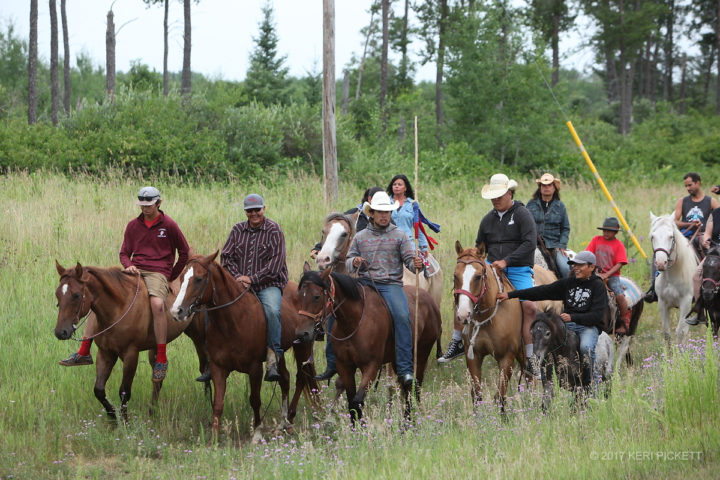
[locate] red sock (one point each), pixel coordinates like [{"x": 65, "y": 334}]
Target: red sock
[
  {"x": 85, "y": 347},
  {"x": 161, "y": 356}
]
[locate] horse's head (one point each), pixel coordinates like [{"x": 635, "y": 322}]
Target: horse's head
[
  {"x": 545, "y": 332},
  {"x": 662, "y": 237},
  {"x": 195, "y": 288},
  {"x": 73, "y": 299},
  {"x": 339, "y": 229},
  {"x": 314, "y": 291},
  {"x": 470, "y": 280},
  {"x": 710, "y": 277}
]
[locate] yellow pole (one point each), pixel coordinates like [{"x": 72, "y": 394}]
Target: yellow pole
[{"x": 604, "y": 188}]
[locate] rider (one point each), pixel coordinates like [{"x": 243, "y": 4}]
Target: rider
[
  {"x": 611, "y": 256},
  {"x": 149, "y": 247},
  {"x": 584, "y": 300},
  {"x": 254, "y": 254},
  {"x": 509, "y": 234},
  {"x": 691, "y": 213},
  {"x": 711, "y": 238},
  {"x": 377, "y": 254},
  {"x": 551, "y": 219}
]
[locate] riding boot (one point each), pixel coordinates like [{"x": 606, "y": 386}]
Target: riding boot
[
  {"x": 624, "y": 314},
  {"x": 650, "y": 296},
  {"x": 271, "y": 370},
  {"x": 696, "y": 315}
]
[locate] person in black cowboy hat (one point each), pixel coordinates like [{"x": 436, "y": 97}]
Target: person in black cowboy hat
[{"x": 611, "y": 256}]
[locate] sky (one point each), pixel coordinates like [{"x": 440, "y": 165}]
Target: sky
[{"x": 222, "y": 34}]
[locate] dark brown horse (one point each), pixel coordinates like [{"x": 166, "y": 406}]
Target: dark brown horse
[
  {"x": 491, "y": 328},
  {"x": 710, "y": 287},
  {"x": 362, "y": 335},
  {"x": 236, "y": 336},
  {"x": 121, "y": 307}
]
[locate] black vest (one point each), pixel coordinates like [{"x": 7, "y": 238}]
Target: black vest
[{"x": 695, "y": 211}]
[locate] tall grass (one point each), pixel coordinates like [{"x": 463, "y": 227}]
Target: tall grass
[{"x": 660, "y": 419}]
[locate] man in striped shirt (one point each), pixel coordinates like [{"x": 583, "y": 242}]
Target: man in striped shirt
[{"x": 254, "y": 254}]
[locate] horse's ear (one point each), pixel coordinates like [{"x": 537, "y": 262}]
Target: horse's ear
[
  {"x": 213, "y": 256},
  {"x": 458, "y": 247},
  {"x": 326, "y": 273},
  {"x": 306, "y": 267},
  {"x": 480, "y": 250},
  {"x": 60, "y": 269},
  {"x": 652, "y": 217},
  {"x": 79, "y": 270}
]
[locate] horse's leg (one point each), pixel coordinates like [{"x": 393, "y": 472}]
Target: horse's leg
[
  {"x": 475, "y": 368},
  {"x": 664, "y": 309},
  {"x": 256, "y": 376},
  {"x": 130, "y": 362},
  {"x": 219, "y": 380},
  {"x": 683, "y": 328},
  {"x": 347, "y": 378},
  {"x": 623, "y": 350},
  {"x": 196, "y": 332},
  {"x": 304, "y": 379},
  {"x": 506, "y": 366},
  {"x": 286, "y": 423},
  {"x": 104, "y": 365}
]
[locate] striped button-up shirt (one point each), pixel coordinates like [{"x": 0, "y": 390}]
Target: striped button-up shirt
[{"x": 258, "y": 253}]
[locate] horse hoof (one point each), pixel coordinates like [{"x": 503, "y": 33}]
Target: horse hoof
[{"x": 257, "y": 437}]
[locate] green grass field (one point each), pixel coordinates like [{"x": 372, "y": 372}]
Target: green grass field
[{"x": 661, "y": 420}]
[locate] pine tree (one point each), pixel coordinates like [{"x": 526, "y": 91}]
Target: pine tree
[{"x": 266, "y": 81}]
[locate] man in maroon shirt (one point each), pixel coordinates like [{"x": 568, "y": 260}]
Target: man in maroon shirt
[
  {"x": 254, "y": 254},
  {"x": 149, "y": 247}
]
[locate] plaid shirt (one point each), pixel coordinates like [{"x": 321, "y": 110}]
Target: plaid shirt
[{"x": 258, "y": 253}]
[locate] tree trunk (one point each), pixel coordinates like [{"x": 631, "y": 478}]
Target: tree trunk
[
  {"x": 626, "y": 93},
  {"x": 345, "y": 91},
  {"x": 654, "y": 72},
  {"x": 707, "y": 73},
  {"x": 185, "y": 88},
  {"x": 66, "y": 59},
  {"x": 32, "y": 64},
  {"x": 681, "y": 103},
  {"x": 555, "y": 49},
  {"x": 611, "y": 76},
  {"x": 165, "y": 49},
  {"x": 364, "y": 55},
  {"x": 439, "y": 112},
  {"x": 383, "y": 61},
  {"x": 110, "y": 57},
  {"x": 668, "y": 48},
  {"x": 403, "y": 47},
  {"x": 54, "y": 80},
  {"x": 717, "y": 62},
  {"x": 330, "y": 167}
]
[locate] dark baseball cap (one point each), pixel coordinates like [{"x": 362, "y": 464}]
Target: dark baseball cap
[{"x": 253, "y": 201}]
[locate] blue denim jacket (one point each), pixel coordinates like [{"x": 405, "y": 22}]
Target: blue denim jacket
[
  {"x": 553, "y": 226},
  {"x": 403, "y": 218}
]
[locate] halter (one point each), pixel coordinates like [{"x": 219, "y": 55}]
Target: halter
[
  {"x": 671, "y": 253},
  {"x": 716, "y": 284},
  {"x": 329, "y": 304},
  {"x": 193, "y": 306}
]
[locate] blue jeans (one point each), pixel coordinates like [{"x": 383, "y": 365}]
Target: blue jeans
[
  {"x": 588, "y": 340},
  {"x": 271, "y": 299},
  {"x": 396, "y": 300},
  {"x": 561, "y": 262}
]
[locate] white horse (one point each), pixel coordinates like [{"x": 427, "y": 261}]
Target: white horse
[{"x": 675, "y": 259}]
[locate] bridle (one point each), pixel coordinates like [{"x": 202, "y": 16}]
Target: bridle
[
  {"x": 671, "y": 252},
  {"x": 329, "y": 308},
  {"x": 475, "y": 299},
  {"x": 716, "y": 285},
  {"x": 193, "y": 308}
]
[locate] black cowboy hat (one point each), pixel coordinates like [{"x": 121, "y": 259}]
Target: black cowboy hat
[{"x": 610, "y": 223}]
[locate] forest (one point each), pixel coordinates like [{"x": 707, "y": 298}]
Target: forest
[{"x": 650, "y": 108}]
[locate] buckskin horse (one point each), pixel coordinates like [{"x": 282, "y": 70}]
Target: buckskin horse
[
  {"x": 236, "y": 336},
  {"x": 362, "y": 335},
  {"x": 338, "y": 232},
  {"x": 120, "y": 303}
]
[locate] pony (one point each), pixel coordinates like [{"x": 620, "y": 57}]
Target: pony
[
  {"x": 236, "y": 336},
  {"x": 362, "y": 335},
  {"x": 120, "y": 305},
  {"x": 338, "y": 232},
  {"x": 710, "y": 287},
  {"x": 635, "y": 304},
  {"x": 676, "y": 261}
]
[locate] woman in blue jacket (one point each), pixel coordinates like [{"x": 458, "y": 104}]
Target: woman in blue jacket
[{"x": 551, "y": 219}]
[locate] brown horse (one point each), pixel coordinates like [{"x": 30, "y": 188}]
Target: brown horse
[
  {"x": 362, "y": 333},
  {"x": 121, "y": 308},
  {"x": 338, "y": 232},
  {"x": 236, "y": 336},
  {"x": 491, "y": 327}
]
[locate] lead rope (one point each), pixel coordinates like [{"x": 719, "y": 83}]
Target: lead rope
[{"x": 477, "y": 325}]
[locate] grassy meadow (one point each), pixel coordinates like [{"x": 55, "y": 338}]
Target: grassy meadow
[{"x": 661, "y": 419}]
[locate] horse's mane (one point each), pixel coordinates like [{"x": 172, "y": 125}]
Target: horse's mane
[
  {"x": 112, "y": 277},
  {"x": 549, "y": 317},
  {"x": 685, "y": 252},
  {"x": 347, "y": 284}
]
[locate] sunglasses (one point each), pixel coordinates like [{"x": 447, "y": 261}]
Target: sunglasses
[
  {"x": 146, "y": 199},
  {"x": 253, "y": 210}
]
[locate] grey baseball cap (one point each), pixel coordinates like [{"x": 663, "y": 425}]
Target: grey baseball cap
[
  {"x": 253, "y": 201},
  {"x": 148, "y": 196},
  {"x": 583, "y": 257}
]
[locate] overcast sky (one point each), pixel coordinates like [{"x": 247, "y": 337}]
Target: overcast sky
[{"x": 222, "y": 33}]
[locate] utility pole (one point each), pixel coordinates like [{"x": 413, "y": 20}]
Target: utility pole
[{"x": 330, "y": 168}]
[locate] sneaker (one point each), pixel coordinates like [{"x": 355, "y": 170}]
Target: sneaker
[
  {"x": 271, "y": 373},
  {"x": 455, "y": 349},
  {"x": 532, "y": 367},
  {"x": 76, "y": 359},
  {"x": 159, "y": 372},
  {"x": 694, "y": 319}
]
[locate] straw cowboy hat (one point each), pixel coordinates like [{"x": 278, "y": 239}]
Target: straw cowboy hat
[
  {"x": 547, "y": 179},
  {"x": 498, "y": 186},
  {"x": 381, "y": 202}
]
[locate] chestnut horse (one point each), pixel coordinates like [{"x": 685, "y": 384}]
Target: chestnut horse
[
  {"x": 338, "y": 232},
  {"x": 236, "y": 336},
  {"x": 362, "y": 335},
  {"x": 121, "y": 306}
]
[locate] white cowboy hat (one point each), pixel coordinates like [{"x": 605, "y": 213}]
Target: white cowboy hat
[
  {"x": 498, "y": 186},
  {"x": 381, "y": 202}
]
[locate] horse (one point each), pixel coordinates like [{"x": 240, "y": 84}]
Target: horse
[
  {"x": 120, "y": 304},
  {"x": 635, "y": 304},
  {"x": 362, "y": 335},
  {"x": 338, "y": 232},
  {"x": 236, "y": 336},
  {"x": 676, "y": 261},
  {"x": 710, "y": 287}
]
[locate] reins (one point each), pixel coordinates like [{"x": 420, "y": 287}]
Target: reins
[
  {"x": 329, "y": 303},
  {"x": 137, "y": 289},
  {"x": 193, "y": 306}
]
